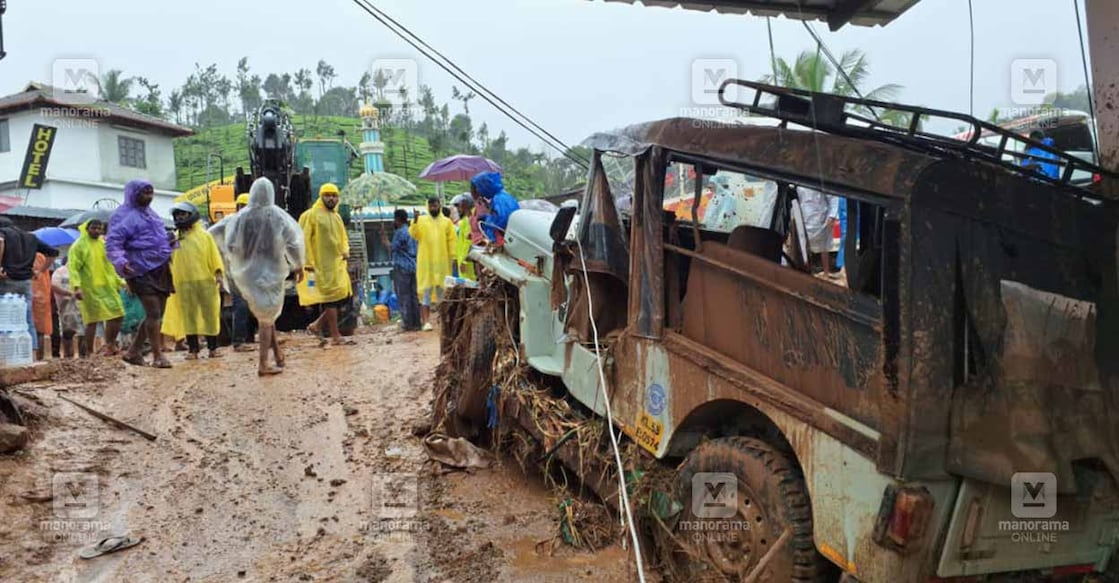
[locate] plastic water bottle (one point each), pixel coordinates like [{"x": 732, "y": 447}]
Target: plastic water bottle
[
  {"x": 23, "y": 353},
  {"x": 310, "y": 279},
  {"x": 6, "y": 309},
  {"x": 17, "y": 313},
  {"x": 7, "y": 348}
]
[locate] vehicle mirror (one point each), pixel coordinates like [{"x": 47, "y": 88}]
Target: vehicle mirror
[{"x": 562, "y": 223}]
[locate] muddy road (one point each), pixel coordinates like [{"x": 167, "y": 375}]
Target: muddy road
[{"x": 310, "y": 476}]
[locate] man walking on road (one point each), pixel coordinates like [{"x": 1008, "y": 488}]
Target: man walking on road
[
  {"x": 195, "y": 308},
  {"x": 96, "y": 286},
  {"x": 435, "y": 242},
  {"x": 328, "y": 249},
  {"x": 138, "y": 248},
  {"x": 403, "y": 253},
  {"x": 264, "y": 246}
]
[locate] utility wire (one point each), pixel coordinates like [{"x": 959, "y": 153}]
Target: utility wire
[
  {"x": 772, "y": 54},
  {"x": 1087, "y": 82},
  {"x": 827, "y": 53},
  {"x": 971, "y": 78},
  {"x": 484, "y": 92}
]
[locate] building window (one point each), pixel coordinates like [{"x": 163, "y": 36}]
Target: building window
[
  {"x": 5, "y": 140},
  {"x": 131, "y": 152}
]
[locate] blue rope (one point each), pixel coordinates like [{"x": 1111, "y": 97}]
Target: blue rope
[{"x": 491, "y": 407}]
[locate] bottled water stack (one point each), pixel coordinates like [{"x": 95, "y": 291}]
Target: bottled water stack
[{"x": 15, "y": 338}]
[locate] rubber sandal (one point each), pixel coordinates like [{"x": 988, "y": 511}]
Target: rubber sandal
[
  {"x": 161, "y": 363},
  {"x": 134, "y": 360},
  {"x": 108, "y": 545},
  {"x": 268, "y": 372},
  {"x": 216, "y": 354},
  {"x": 191, "y": 356},
  {"x": 243, "y": 348},
  {"x": 346, "y": 342}
]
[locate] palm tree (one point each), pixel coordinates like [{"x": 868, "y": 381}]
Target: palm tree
[
  {"x": 115, "y": 87},
  {"x": 812, "y": 72}
]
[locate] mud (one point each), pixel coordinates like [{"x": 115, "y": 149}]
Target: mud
[{"x": 310, "y": 476}]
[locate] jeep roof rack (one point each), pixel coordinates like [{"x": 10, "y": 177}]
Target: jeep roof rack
[{"x": 829, "y": 113}]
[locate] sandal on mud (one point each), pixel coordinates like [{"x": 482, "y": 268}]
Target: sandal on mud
[
  {"x": 134, "y": 360},
  {"x": 108, "y": 545},
  {"x": 346, "y": 342},
  {"x": 270, "y": 371},
  {"x": 191, "y": 356},
  {"x": 243, "y": 348},
  {"x": 216, "y": 354},
  {"x": 161, "y": 363}
]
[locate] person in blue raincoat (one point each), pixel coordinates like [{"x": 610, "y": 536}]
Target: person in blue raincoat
[
  {"x": 1036, "y": 157},
  {"x": 501, "y": 204}
]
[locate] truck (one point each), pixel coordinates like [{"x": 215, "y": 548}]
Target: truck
[{"x": 946, "y": 412}]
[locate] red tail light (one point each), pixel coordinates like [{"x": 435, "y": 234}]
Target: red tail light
[
  {"x": 903, "y": 517},
  {"x": 1096, "y": 178}
]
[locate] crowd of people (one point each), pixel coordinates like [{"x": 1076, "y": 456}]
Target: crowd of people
[
  {"x": 432, "y": 247},
  {"x": 129, "y": 286}
]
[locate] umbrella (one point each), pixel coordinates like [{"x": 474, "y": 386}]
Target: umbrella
[
  {"x": 7, "y": 202},
  {"x": 76, "y": 220},
  {"x": 56, "y": 236},
  {"x": 458, "y": 167},
  {"x": 377, "y": 189}
]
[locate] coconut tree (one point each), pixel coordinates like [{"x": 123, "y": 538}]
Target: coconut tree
[
  {"x": 115, "y": 87},
  {"x": 811, "y": 71}
]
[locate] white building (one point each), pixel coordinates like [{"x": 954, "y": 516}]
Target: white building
[{"x": 98, "y": 147}]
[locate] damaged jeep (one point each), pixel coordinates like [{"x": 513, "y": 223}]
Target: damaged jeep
[{"x": 948, "y": 408}]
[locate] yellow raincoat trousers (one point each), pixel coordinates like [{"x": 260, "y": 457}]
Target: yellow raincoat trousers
[
  {"x": 435, "y": 243},
  {"x": 195, "y": 307},
  {"x": 91, "y": 272},
  {"x": 462, "y": 248},
  {"x": 327, "y": 245}
]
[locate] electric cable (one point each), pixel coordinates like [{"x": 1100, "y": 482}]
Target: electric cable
[
  {"x": 1087, "y": 81},
  {"x": 484, "y": 92}
]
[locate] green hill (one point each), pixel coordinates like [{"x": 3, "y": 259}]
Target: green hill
[{"x": 405, "y": 154}]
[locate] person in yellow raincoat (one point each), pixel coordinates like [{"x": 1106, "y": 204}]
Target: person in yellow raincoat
[
  {"x": 327, "y": 284},
  {"x": 465, "y": 205},
  {"x": 435, "y": 240},
  {"x": 96, "y": 285},
  {"x": 195, "y": 308}
]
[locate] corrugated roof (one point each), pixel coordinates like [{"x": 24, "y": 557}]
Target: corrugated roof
[
  {"x": 40, "y": 212},
  {"x": 835, "y": 12},
  {"x": 42, "y": 95}
]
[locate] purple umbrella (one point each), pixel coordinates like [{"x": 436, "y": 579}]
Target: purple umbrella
[{"x": 458, "y": 167}]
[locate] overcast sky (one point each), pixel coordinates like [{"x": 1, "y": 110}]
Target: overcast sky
[{"x": 575, "y": 66}]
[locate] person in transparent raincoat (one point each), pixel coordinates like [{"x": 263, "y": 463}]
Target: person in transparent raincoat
[{"x": 264, "y": 246}]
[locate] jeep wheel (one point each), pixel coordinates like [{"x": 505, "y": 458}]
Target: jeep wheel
[
  {"x": 725, "y": 540},
  {"x": 470, "y": 394}
]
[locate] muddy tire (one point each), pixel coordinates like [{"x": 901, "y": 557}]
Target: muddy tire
[
  {"x": 770, "y": 497},
  {"x": 470, "y": 394}
]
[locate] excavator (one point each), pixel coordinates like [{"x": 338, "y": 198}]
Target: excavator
[{"x": 296, "y": 169}]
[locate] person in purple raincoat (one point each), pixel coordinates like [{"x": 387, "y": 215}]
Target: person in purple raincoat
[{"x": 138, "y": 248}]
